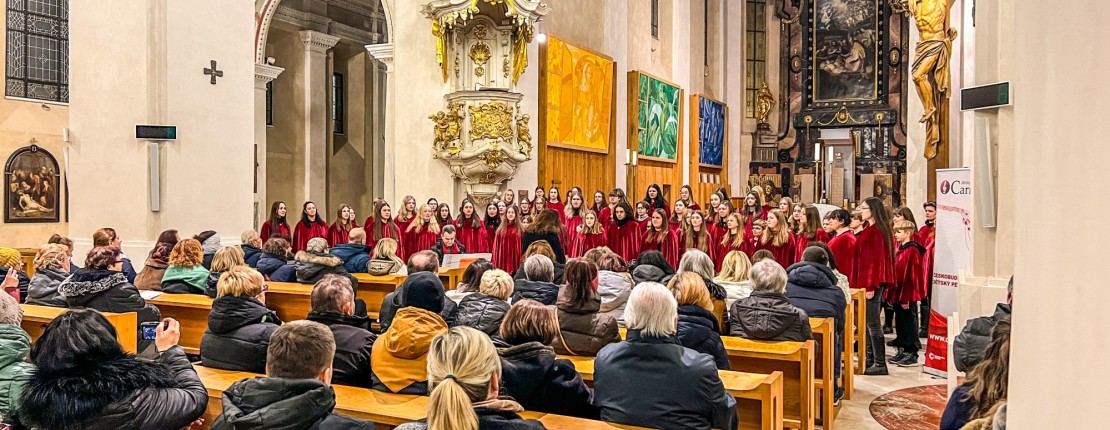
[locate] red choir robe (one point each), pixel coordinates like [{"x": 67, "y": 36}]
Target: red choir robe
[
  {"x": 506, "y": 250},
  {"x": 558, "y": 207},
  {"x": 403, "y": 224},
  {"x": 784, "y": 255},
  {"x": 801, "y": 242},
  {"x": 303, "y": 233},
  {"x": 386, "y": 230},
  {"x": 586, "y": 242},
  {"x": 874, "y": 262},
  {"x": 338, "y": 236},
  {"x": 625, "y": 240},
  {"x": 471, "y": 237},
  {"x": 843, "y": 247},
  {"x": 418, "y": 239},
  {"x": 721, "y": 250},
  {"x": 750, "y": 220},
  {"x": 693, "y": 207},
  {"x": 668, "y": 246},
  {"x": 570, "y": 232},
  {"x": 269, "y": 230},
  {"x": 926, "y": 235},
  {"x": 708, "y": 249},
  {"x": 491, "y": 234},
  {"x": 605, "y": 216},
  {"x": 909, "y": 279}
]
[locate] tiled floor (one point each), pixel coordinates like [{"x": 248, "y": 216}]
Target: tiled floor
[{"x": 855, "y": 414}]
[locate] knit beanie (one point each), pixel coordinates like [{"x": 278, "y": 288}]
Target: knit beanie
[
  {"x": 9, "y": 258},
  {"x": 423, "y": 290}
]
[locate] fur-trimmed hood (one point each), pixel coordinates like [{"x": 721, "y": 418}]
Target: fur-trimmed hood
[
  {"x": 86, "y": 283},
  {"x": 69, "y": 398},
  {"x": 311, "y": 266},
  {"x": 316, "y": 258}
]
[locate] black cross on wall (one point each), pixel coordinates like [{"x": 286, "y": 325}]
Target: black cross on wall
[{"x": 213, "y": 72}]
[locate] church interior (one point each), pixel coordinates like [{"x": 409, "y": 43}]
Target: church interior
[{"x": 202, "y": 116}]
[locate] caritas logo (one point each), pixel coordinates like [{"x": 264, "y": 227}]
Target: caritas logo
[{"x": 955, "y": 187}]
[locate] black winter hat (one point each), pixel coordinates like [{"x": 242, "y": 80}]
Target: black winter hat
[{"x": 425, "y": 291}]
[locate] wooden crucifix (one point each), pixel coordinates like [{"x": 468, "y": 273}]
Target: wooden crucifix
[{"x": 214, "y": 72}]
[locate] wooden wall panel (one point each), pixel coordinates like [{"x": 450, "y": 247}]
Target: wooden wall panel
[
  {"x": 705, "y": 179},
  {"x": 565, "y": 167},
  {"x": 667, "y": 175}
]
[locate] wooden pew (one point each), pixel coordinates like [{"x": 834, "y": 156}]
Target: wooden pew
[
  {"x": 451, "y": 277},
  {"x": 848, "y": 371},
  {"x": 384, "y": 409},
  {"x": 191, "y": 310},
  {"x": 27, "y": 256},
  {"x": 372, "y": 289},
  {"x": 824, "y": 333},
  {"x": 796, "y": 362},
  {"x": 758, "y": 396},
  {"x": 859, "y": 310},
  {"x": 35, "y": 318}
]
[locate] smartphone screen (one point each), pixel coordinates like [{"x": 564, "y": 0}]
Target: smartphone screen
[{"x": 150, "y": 330}]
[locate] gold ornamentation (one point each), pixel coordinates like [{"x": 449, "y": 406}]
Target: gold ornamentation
[
  {"x": 505, "y": 67},
  {"x": 524, "y": 135},
  {"x": 765, "y": 101},
  {"x": 480, "y": 31},
  {"x": 479, "y": 54},
  {"x": 448, "y": 128},
  {"x": 931, "y": 74},
  {"x": 440, "y": 32},
  {"x": 493, "y": 159},
  {"x": 523, "y": 33},
  {"x": 491, "y": 120},
  {"x": 842, "y": 115}
]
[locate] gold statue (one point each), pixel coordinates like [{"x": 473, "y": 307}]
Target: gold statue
[
  {"x": 764, "y": 102},
  {"x": 524, "y": 134},
  {"x": 931, "y": 72},
  {"x": 447, "y": 128}
]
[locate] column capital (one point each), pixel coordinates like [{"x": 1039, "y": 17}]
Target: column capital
[
  {"x": 382, "y": 52},
  {"x": 315, "y": 41},
  {"x": 264, "y": 74}
]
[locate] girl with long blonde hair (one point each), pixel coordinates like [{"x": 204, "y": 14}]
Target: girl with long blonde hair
[
  {"x": 733, "y": 276},
  {"x": 406, "y": 213},
  {"x": 777, "y": 239},
  {"x": 590, "y": 235},
  {"x": 422, "y": 232},
  {"x": 731, "y": 237}
]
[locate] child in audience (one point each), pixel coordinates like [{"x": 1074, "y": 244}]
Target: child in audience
[{"x": 908, "y": 289}]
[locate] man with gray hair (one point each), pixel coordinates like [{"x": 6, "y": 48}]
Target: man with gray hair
[
  {"x": 15, "y": 344},
  {"x": 651, "y": 380},
  {"x": 333, "y": 305},
  {"x": 539, "y": 281},
  {"x": 252, "y": 247},
  {"x": 767, "y": 313}
]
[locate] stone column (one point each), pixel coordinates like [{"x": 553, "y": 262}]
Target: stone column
[
  {"x": 263, "y": 75},
  {"x": 313, "y": 158},
  {"x": 383, "y": 81}
]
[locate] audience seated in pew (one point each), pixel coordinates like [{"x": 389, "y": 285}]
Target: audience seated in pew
[
  {"x": 651, "y": 380},
  {"x": 767, "y": 313},
  {"x": 224, "y": 260},
  {"x": 471, "y": 280},
  {"x": 101, "y": 286},
  {"x": 464, "y": 373},
  {"x": 538, "y": 282},
  {"x": 186, "y": 273},
  {"x": 614, "y": 284},
  {"x": 531, "y": 373},
  {"x": 333, "y": 305},
  {"x": 68, "y": 243},
  {"x": 296, "y": 392},
  {"x": 355, "y": 254},
  {"x": 251, "y": 246},
  {"x": 986, "y": 385},
  {"x": 154, "y": 269},
  {"x": 315, "y": 262},
  {"x": 696, "y": 261},
  {"x": 484, "y": 310},
  {"x": 651, "y": 266},
  {"x": 811, "y": 287},
  {"x": 107, "y": 237},
  {"x": 15, "y": 371},
  {"x": 542, "y": 247},
  {"x": 398, "y": 362},
  {"x": 385, "y": 260},
  {"x": 12, "y": 261},
  {"x": 734, "y": 277},
  {"x": 51, "y": 268},
  {"x": 423, "y": 261},
  {"x": 240, "y": 324},
  {"x": 697, "y": 326},
  {"x": 210, "y": 243},
  {"x": 582, "y": 329},
  {"x": 84, "y": 379},
  {"x": 274, "y": 263}
]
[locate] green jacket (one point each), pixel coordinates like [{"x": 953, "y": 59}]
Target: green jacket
[{"x": 15, "y": 371}]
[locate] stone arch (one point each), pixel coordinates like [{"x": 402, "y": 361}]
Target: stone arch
[{"x": 264, "y": 13}]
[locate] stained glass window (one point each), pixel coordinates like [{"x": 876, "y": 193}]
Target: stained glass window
[
  {"x": 38, "y": 50},
  {"x": 756, "y": 55}
]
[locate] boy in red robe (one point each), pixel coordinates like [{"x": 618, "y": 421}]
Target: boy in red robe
[{"x": 909, "y": 287}]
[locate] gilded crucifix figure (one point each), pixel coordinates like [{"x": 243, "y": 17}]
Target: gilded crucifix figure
[{"x": 931, "y": 73}]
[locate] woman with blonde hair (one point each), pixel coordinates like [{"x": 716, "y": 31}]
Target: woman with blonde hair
[
  {"x": 406, "y": 213},
  {"x": 464, "y": 374},
  {"x": 589, "y": 235},
  {"x": 733, "y": 276},
  {"x": 225, "y": 259},
  {"x": 422, "y": 233},
  {"x": 186, "y": 273},
  {"x": 385, "y": 261},
  {"x": 777, "y": 239},
  {"x": 484, "y": 310},
  {"x": 731, "y": 238},
  {"x": 698, "y": 328},
  {"x": 239, "y": 325},
  {"x": 51, "y": 268},
  {"x": 700, "y": 263}
]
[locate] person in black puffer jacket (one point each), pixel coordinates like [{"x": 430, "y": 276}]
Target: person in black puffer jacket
[
  {"x": 239, "y": 325},
  {"x": 767, "y": 314},
  {"x": 333, "y": 305},
  {"x": 539, "y": 283},
  {"x": 530, "y": 371},
  {"x": 274, "y": 263},
  {"x": 484, "y": 310},
  {"x": 811, "y": 287},
  {"x": 101, "y": 286},
  {"x": 315, "y": 262},
  {"x": 697, "y": 327}
]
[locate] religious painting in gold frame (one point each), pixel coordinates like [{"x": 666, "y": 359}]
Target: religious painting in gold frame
[
  {"x": 32, "y": 192},
  {"x": 578, "y": 97},
  {"x": 772, "y": 187},
  {"x": 846, "y": 54},
  {"x": 884, "y": 188}
]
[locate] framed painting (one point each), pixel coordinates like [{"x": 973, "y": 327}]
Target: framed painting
[
  {"x": 578, "y": 103},
  {"x": 772, "y": 187},
  {"x": 846, "y": 50},
  {"x": 711, "y": 132},
  {"x": 657, "y": 113},
  {"x": 32, "y": 191}
]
